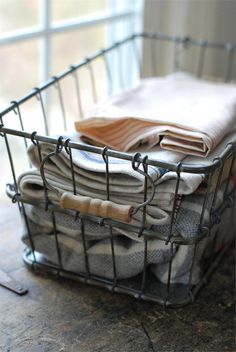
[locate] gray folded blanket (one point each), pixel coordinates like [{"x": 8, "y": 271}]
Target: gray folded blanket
[{"x": 129, "y": 253}]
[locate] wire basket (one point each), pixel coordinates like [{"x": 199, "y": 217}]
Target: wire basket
[{"x": 110, "y": 243}]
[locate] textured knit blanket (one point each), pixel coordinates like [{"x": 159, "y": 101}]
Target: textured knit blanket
[
  {"x": 129, "y": 253},
  {"x": 190, "y": 114}
]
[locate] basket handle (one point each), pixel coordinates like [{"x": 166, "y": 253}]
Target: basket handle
[{"x": 97, "y": 207}]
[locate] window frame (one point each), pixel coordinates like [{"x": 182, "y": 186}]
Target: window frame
[{"x": 117, "y": 10}]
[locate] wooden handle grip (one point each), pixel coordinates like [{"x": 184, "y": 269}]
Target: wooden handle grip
[{"x": 97, "y": 207}]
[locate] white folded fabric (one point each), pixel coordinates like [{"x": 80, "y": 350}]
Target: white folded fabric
[{"x": 180, "y": 111}]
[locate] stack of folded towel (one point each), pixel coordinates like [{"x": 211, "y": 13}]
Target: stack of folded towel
[{"x": 207, "y": 119}]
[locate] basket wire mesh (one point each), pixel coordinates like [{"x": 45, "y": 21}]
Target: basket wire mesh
[{"x": 217, "y": 175}]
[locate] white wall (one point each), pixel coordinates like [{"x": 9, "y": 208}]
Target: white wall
[{"x": 213, "y": 20}]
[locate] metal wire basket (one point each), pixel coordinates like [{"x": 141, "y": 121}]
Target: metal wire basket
[{"x": 202, "y": 249}]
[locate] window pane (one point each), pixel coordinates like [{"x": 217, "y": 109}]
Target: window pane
[
  {"x": 17, "y": 14},
  {"x": 19, "y": 72},
  {"x": 62, "y": 9},
  {"x": 69, "y": 48}
]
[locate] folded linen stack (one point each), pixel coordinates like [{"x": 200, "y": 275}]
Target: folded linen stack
[{"x": 126, "y": 188}]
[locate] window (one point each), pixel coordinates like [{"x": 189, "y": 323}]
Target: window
[
  {"x": 51, "y": 34},
  {"x": 40, "y": 38}
]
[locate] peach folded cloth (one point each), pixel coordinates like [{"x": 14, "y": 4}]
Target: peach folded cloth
[{"x": 190, "y": 114}]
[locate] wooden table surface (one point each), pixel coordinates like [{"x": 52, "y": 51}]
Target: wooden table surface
[{"x": 60, "y": 315}]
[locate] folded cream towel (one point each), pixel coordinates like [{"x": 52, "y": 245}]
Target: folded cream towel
[{"x": 191, "y": 114}]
